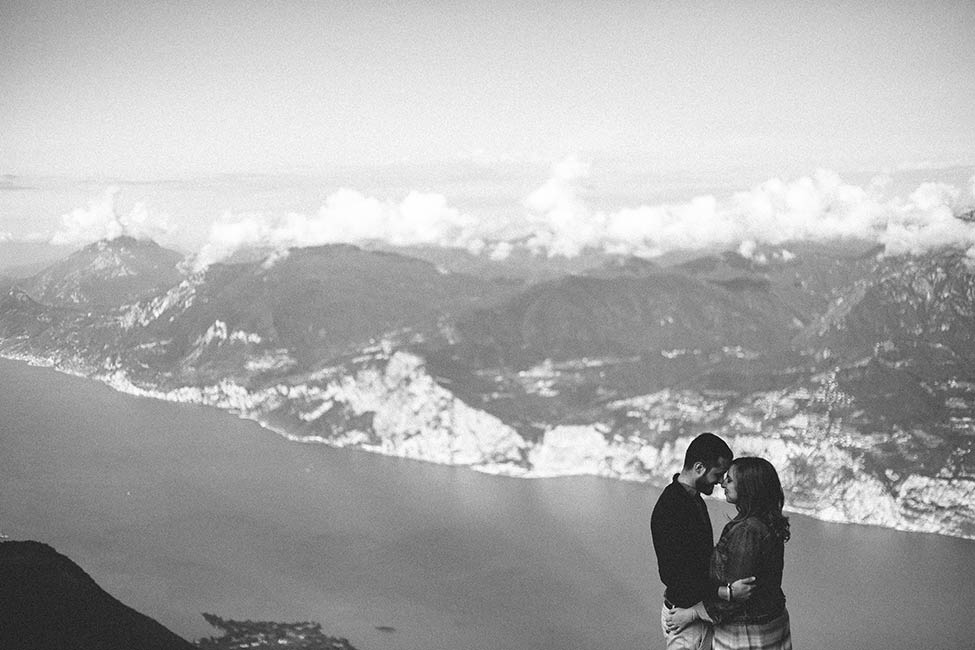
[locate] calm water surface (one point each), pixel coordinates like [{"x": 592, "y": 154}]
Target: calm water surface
[{"x": 176, "y": 510}]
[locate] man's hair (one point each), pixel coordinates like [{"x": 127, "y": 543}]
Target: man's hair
[{"x": 707, "y": 448}]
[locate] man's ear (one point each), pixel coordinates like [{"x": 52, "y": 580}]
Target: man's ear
[{"x": 700, "y": 468}]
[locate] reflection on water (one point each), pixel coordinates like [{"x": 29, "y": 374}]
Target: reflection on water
[{"x": 178, "y": 510}]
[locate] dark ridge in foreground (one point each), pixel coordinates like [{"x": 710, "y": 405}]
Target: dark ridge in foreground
[{"x": 47, "y": 601}]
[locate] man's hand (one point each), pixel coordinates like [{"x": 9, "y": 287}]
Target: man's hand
[
  {"x": 677, "y": 619},
  {"x": 741, "y": 590}
]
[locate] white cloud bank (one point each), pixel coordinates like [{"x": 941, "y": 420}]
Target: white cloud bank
[
  {"x": 556, "y": 220},
  {"x": 347, "y": 217},
  {"x": 815, "y": 208},
  {"x": 101, "y": 220}
]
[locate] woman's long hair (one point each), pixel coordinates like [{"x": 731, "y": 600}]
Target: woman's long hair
[{"x": 760, "y": 494}]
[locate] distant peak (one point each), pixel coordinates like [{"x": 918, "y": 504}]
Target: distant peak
[
  {"x": 328, "y": 248},
  {"x": 121, "y": 242}
]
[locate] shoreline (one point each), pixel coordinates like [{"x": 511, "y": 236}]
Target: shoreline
[
  {"x": 224, "y": 518},
  {"x": 124, "y": 386}
]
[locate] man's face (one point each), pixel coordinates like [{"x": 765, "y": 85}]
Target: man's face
[{"x": 706, "y": 481}]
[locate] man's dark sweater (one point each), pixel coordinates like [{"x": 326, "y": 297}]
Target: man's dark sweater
[{"x": 683, "y": 541}]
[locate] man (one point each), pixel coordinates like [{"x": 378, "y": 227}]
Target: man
[{"x": 683, "y": 540}]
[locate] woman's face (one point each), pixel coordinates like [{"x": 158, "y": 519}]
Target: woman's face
[{"x": 730, "y": 485}]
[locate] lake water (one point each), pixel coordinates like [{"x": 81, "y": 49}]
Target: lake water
[{"x": 176, "y": 510}]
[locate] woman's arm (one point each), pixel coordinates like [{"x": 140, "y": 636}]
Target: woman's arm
[{"x": 739, "y": 553}]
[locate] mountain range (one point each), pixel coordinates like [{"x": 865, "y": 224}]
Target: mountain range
[{"x": 852, "y": 371}]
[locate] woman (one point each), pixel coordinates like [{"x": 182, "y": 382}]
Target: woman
[{"x": 751, "y": 544}]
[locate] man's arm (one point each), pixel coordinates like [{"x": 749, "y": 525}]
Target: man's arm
[
  {"x": 677, "y": 619},
  {"x": 666, "y": 534}
]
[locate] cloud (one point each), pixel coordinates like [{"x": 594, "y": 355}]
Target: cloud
[
  {"x": 101, "y": 220},
  {"x": 556, "y": 220},
  {"x": 820, "y": 207},
  {"x": 347, "y": 217},
  {"x": 560, "y": 222},
  {"x": 7, "y": 237},
  {"x": 275, "y": 257},
  {"x": 927, "y": 222},
  {"x": 749, "y": 250},
  {"x": 501, "y": 251}
]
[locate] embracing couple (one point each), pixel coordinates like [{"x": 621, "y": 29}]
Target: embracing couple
[{"x": 726, "y": 596}]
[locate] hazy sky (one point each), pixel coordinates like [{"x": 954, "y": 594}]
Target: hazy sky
[
  {"x": 173, "y": 88},
  {"x": 629, "y": 127}
]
